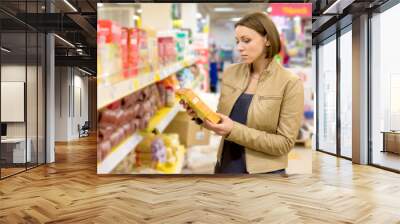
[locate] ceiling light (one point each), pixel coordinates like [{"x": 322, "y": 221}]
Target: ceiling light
[
  {"x": 337, "y": 7},
  {"x": 86, "y": 72},
  {"x": 70, "y": 5},
  {"x": 99, "y": 4},
  {"x": 223, "y": 9},
  {"x": 235, "y": 19},
  {"x": 5, "y": 49},
  {"x": 64, "y": 40},
  {"x": 198, "y": 15},
  {"x": 139, "y": 11},
  {"x": 269, "y": 9}
]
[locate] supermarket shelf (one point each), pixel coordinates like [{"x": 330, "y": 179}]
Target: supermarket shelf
[
  {"x": 162, "y": 118},
  {"x": 181, "y": 161},
  {"x": 174, "y": 168},
  {"x": 158, "y": 122},
  {"x": 107, "y": 94},
  {"x": 118, "y": 154},
  {"x": 196, "y": 83}
]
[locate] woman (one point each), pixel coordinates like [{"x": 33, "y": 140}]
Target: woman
[{"x": 261, "y": 103}]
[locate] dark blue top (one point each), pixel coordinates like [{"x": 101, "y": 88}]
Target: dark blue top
[{"x": 232, "y": 159}]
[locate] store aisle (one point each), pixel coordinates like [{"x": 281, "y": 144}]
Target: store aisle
[{"x": 70, "y": 191}]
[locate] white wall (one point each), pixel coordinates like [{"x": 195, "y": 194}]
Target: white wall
[
  {"x": 189, "y": 13},
  {"x": 223, "y": 35},
  {"x": 71, "y": 87},
  {"x": 12, "y": 73},
  {"x": 157, "y": 16}
]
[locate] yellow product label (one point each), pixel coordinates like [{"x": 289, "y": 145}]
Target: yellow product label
[
  {"x": 194, "y": 102},
  {"x": 157, "y": 77},
  {"x": 136, "y": 84}
]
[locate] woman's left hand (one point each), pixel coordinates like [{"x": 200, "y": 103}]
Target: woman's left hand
[{"x": 223, "y": 128}]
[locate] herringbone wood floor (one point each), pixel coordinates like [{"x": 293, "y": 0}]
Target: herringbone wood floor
[{"x": 69, "y": 191}]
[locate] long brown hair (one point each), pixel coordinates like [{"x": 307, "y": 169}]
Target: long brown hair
[{"x": 262, "y": 24}]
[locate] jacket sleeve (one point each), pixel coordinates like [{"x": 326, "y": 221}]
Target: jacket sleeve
[{"x": 290, "y": 117}]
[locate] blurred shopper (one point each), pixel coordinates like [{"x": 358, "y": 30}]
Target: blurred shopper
[
  {"x": 213, "y": 68},
  {"x": 261, "y": 103}
]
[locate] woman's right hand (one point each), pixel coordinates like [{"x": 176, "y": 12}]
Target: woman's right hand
[{"x": 189, "y": 110}]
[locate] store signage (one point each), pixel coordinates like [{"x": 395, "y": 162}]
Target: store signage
[{"x": 291, "y": 9}]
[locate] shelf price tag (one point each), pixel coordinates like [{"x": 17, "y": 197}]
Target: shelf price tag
[
  {"x": 157, "y": 77},
  {"x": 136, "y": 84}
]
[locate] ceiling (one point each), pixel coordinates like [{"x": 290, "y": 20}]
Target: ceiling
[
  {"x": 237, "y": 10},
  {"x": 330, "y": 15}
]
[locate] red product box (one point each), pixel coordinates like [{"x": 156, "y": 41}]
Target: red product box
[
  {"x": 104, "y": 34},
  {"x": 161, "y": 50},
  {"x": 108, "y": 32},
  {"x": 170, "y": 49}
]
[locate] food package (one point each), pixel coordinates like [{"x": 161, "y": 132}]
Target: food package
[
  {"x": 194, "y": 102},
  {"x": 125, "y": 52},
  {"x": 105, "y": 131},
  {"x": 145, "y": 145},
  {"x": 109, "y": 50},
  {"x": 103, "y": 149},
  {"x": 152, "y": 49},
  {"x": 133, "y": 51}
]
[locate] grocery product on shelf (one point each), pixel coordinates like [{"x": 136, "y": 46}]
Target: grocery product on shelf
[
  {"x": 125, "y": 52},
  {"x": 150, "y": 151},
  {"x": 143, "y": 63},
  {"x": 123, "y": 117},
  {"x": 163, "y": 153},
  {"x": 110, "y": 63},
  {"x": 182, "y": 44},
  {"x": 152, "y": 45},
  {"x": 185, "y": 77},
  {"x": 170, "y": 84},
  {"x": 166, "y": 47},
  {"x": 133, "y": 51},
  {"x": 201, "y": 109}
]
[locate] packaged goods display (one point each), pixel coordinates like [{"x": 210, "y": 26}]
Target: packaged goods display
[
  {"x": 133, "y": 49},
  {"x": 166, "y": 48},
  {"x": 139, "y": 70},
  {"x": 201, "y": 109},
  {"x": 110, "y": 57},
  {"x": 152, "y": 45},
  {"x": 122, "y": 118},
  {"x": 182, "y": 44},
  {"x": 162, "y": 152},
  {"x": 185, "y": 77},
  {"x": 125, "y": 51}
]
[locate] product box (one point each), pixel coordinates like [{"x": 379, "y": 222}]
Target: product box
[
  {"x": 109, "y": 51},
  {"x": 152, "y": 49},
  {"x": 125, "y": 51},
  {"x": 194, "y": 102},
  {"x": 166, "y": 48},
  {"x": 143, "y": 63},
  {"x": 133, "y": 52},
  {"x": 108, "y": 32},
  {"x": 189, "y": 132}
]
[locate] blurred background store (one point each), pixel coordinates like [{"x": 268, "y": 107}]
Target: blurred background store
[{"x": 148, "y": 51}]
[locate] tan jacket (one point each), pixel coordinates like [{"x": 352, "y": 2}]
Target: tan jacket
[{"x": 273, "y": 119}]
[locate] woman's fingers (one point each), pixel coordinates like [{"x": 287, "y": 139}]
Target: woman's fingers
[{"x": 189, "y": 110}]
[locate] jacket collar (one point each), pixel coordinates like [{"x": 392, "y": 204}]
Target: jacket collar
[{"x": 268, "y": 71}]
